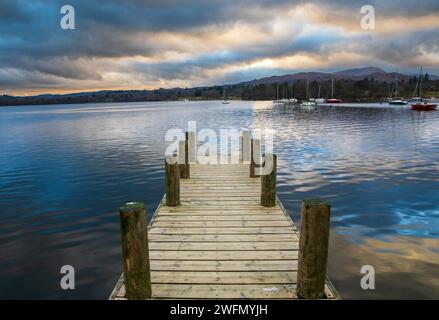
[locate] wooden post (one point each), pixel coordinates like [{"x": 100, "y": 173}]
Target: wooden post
[
  {"x": 246, "y": 148},
  {"x": 313, "y": 249},
  {"x": 268, "y": 183},
  {"x": 183, "y": 159},
  {"x": 255, "y": 154},
  {"x": 136, "y": 269},
  {"x": 192, "y": 147},
  {"x": 172, "y": 182}
]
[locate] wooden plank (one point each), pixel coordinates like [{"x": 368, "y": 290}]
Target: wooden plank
[
  {"x": 223, "y": 237},
  {"x": 237, "y": 209},
  {"x": 232, "y": 195},
  {"x": 223, "y": 204},
  {"x": 224, "y": 265},
  {"x": 220, "y": 214},
  {"x": 191, "y": 217},
  {"x": 241, "y": 192},
  {"x": 226, "y": 291},
  {"x": 215, "y": 199},
  {"x": 219, "y": 224},
  {"x": 223, "y": 277},
  {"x": 228, "y": 230},
  {"x": 224, "y": 255},
  {"x": 221, "y": 208},
  {"x": 223, "y": 246},
  {"x": 209, "y": 210},
  {"x": 239, "y": 182},
  {"x": 208, "y": 291}
]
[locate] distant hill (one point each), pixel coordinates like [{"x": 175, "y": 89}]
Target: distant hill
[
  {"x": 350, "y": 74},
  {"x": 368, "y": 83}
]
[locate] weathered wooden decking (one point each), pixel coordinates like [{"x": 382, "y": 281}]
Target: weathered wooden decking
[{"x": 220, "y": 243}]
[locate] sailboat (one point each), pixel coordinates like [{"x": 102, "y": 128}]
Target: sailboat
[
  {"x": 225, "y": 101},
  {"x": 418, "y": 103},
  {"x": 319, "y": 100},
  {"x": 280, "y": 101},
  {"x": 292, "y": 100},
  {"x": 333, "y": 100},
  {"x": 395, "y": 101},
  {"x": 277, "y": 101},
  {"x": 308, "y": 102}
]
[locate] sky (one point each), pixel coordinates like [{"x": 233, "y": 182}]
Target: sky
[{"x": 135, "y": 44}]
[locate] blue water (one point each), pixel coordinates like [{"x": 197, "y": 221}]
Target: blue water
[{"x": 66, "y": 169}]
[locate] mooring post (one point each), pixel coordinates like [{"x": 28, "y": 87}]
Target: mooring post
[
  {"x": 183, "y": 159},
  {"x": 246, "y": 149},
  {"x": 313, "y": 249},
  {"x": 192, "y": 147},
  {"x": 268, "y": 182},
  {"x": 172, "y": 173},
  {"x": 255, "y": 154},
  {"x": 134, "y": 235}
]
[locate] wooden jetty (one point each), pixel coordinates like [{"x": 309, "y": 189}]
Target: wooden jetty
[{"x": 218, "y": 242}]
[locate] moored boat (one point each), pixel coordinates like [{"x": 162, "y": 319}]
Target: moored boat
[
  {"x": 309, "y": 102},
  {"x": 319, "y": 100},
  {"x": 333, "y": 100},
  {"x": 419, "y": 104},
  {"x": 225, "y": 100},
  {"x": 398, "y": 102},
  {"x": 424, "y": 106},
  {"x": 292, "y": 100},
  {"x": 393, "y": 100},
  {"x": 278, "y": 101}
]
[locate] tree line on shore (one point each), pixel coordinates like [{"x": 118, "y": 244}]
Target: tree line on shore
[{"x": 367, "y": 89}]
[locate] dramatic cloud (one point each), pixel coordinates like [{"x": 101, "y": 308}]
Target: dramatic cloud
[{"x": 164, "y": 43}]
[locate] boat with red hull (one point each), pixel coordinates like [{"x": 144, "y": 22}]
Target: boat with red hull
[
  {"x": 419, "y": 104},
  {"x": 333, "y": 100},
  {"x": 424, "y": 106}
]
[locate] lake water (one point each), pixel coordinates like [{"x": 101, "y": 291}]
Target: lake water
[{"x": 66, "y": 169}]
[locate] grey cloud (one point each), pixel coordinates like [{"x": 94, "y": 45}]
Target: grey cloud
[{"x": 32, "y": 41}]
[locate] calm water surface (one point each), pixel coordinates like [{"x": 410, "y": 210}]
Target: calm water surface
[{"x": 65, "y": 170}]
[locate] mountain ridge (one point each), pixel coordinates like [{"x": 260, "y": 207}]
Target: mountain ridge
[
  {"x": 367, "y": 83},
  {"x": 354, "y": 74}
]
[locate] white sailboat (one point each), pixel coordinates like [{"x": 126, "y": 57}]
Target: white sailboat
[
  {"x": 308, "y": 102},
  {"x": 393, "y": 99},
  {"x": 277, "y": 101},
  {"x": 319, "y": 100},
  {"x": 225, "y": 101},
  {"x": 292, "y": 100}
]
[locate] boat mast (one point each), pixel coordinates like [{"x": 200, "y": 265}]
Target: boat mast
[
  {"x": 420, "y": 84},
  {"x": 396, "y": 87},
  {"x": 307, "y": 89},
  {"x": 416, "y": 88},
  {"x": 332, "y": 88},
  {"x": 318, "y": 95},
  {"x": 277, "y": 88}
]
